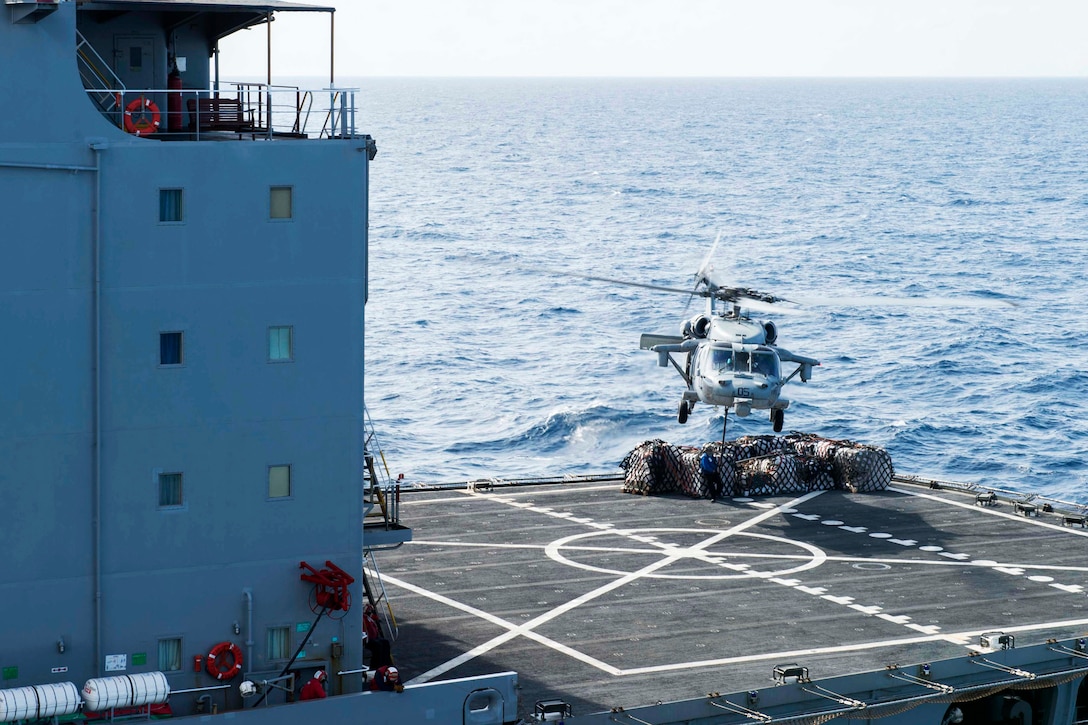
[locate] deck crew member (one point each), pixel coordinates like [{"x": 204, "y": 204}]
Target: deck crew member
[
  {"x": 315, "y": 688},
  {"x": 386, "y": 678}
]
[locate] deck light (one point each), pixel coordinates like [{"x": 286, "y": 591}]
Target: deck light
[
  {"x": 782, "y": 672},
  {"x": 552, "y": 710},
  {"x": 997, "y": 640}
]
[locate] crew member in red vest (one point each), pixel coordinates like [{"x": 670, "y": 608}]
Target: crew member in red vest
[
  {"x": 386, "y": 678},
  {"x": 315, "y": 688}
]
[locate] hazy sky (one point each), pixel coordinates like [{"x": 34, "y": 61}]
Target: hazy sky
[{"x": 675, "y": 38}]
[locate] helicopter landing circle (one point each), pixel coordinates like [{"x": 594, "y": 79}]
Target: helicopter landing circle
[{"x": 711, "y": 558}]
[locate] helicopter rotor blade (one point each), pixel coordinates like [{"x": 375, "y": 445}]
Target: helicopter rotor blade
[
  {"x": 610, "y": 280},
  {"x": 876, "y": 301},
  {"x": 703, "y": 273},
  {"x": 705, "y": 267}
]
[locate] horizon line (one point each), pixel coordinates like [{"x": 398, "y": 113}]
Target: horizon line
[{"x": 688, "y": 77}]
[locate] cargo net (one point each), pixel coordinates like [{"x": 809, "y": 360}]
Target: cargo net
[{"x": 756, "y": 466}]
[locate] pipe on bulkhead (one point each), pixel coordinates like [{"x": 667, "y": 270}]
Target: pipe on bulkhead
[
  {"x": 248, "y": 594},
  {"x": 96, "y": 523}
]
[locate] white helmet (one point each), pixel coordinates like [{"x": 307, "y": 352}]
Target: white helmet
[{"x": 247, "y": 689}]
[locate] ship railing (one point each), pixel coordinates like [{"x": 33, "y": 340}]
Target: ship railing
[
  {"x": 206, "y": 695},
  {"x": 381, "y": 495},
  {"x": 1029, "y": 501},
  {"x": 382, "y": 500},
  {"x": 245, "y": 111}
]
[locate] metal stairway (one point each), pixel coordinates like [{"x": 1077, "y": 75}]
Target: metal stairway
[
  {"x": 376, "y": 595},
  {"x": 102, "y": 84},
  {"x": 381, "y": 523}
]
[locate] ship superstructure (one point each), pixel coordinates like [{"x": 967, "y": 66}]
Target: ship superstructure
[
  {"x": 188, "y": 467},
  {"x": 183, "y": 269}
]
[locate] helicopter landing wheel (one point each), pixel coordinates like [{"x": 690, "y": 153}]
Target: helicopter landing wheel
[
  {"x": 682, "y": 413},
  {"x": 777, "y": 417}
]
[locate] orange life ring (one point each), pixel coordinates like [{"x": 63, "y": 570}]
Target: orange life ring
[
  {"x": 215, "y": 661},
  {"x": 142, "y": 116}
]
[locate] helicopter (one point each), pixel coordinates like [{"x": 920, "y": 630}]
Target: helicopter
[{"x": 728, "y": 358}]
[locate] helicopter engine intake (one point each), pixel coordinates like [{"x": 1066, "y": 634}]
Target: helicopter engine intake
[{"x": 697, "y": 326}]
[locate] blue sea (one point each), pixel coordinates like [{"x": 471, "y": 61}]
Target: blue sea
[{"x": 480, "y": 363}]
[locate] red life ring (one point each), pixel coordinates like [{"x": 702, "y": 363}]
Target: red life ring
[
  {"x": 142, "y": 116},
  {"x": 217, "y": 667}
]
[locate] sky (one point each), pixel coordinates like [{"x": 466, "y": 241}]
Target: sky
[{"x": 674, "y": 38}]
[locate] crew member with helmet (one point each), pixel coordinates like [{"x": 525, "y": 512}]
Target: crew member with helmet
[
  {"x": 386, "y": 678},
  {"x": 315, "y": 688}
]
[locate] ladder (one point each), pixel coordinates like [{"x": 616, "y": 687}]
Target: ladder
[
  {"x": 376, "y": 595},
  {"x": 381, "y": 511},
  {"x": 102, "y": 84}
]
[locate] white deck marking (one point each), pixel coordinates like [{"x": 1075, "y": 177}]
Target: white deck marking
[
  {"x": 928, "y": 562},
  {"x": 555, "y": 551},
  {"x": 672, "y": 553},
  {"x": 952, "y": 637},
  {"x": 446, "y": 499},
  {"x": 487, "y": 616},
  {"x": 527, "y": 628},
  {"x": 742, "y": 570},
  {"x": 467, "y": 544},
  {"x": 1010, "y": 569}
]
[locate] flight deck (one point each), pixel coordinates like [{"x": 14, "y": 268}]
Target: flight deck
[{"x": 609, "y": 599}]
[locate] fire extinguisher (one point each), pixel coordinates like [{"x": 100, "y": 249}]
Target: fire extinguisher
[{"x": 173, "y": 101}]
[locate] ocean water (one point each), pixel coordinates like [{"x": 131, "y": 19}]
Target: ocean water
[{"x": 482, "y": 363}]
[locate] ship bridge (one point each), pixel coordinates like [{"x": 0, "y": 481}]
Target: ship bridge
[{"x": 152, "y": 68}]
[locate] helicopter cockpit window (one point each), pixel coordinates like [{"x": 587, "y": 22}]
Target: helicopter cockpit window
[
  {"x": 740, "y": 362},
  {"x": 765, "y": 363},
  {"x": 721, "y": 359}
]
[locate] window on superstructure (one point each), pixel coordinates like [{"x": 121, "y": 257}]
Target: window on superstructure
[
  {"x": 170, "y": 490},
  {"x": 170, "y": 348},
  {"x": 171, "y": 208},
  {"x": 279, "y": 643},
  {"x": 279, "y": 481},
  {"x": 280, "y": 202},
  {"x": 280, "y": 344},
  {"x": 170, "y": 654}
]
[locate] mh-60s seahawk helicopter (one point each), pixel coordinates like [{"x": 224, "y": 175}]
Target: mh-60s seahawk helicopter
[
  {"x": 733, "y": 361},
  {"x": 728, "y": 358}
]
